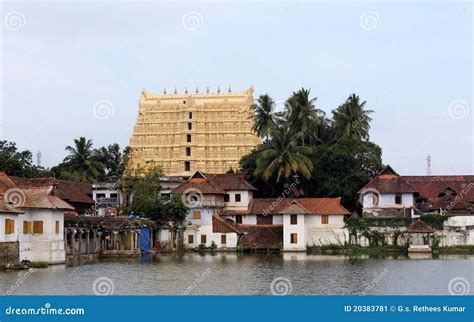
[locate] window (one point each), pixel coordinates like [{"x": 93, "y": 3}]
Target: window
[
  {"x": 9, "y": 226},
  {"x": 27, "y": 227},
  {"x": 190, "y": 239},
  {"x": 223, "y": 239},
  {"x": 226, "y": 198},
  {"x": 398, "y": 199},
  {"x": 237, "y": 197},
  {"x": 196, "y": 214},
  {"x": 294, "y": 219},
  {"x": 37, "y": 227},
  {"x": 113, "y": 196},
  {"x": 238, "y": 219},
  {"x": 190, "y": 115},
  {"x": 264, "y": 220},
  {"x": 190, "y": 126},
  {"x": 203, "y": 239},
  {"x": 188, "y": 151},
  {"x": 188, "y": 138},
  {"x": 57, "y": 228},
  {"x": 325, "y": 219},
  {"x": 294, "y": 238},
  {"x": 187, "y": 166}
]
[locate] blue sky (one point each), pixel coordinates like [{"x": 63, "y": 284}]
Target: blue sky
[{"x": 413, "y": 65}]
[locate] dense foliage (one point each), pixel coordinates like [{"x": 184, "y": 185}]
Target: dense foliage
[{"x": 324, "y": 157}]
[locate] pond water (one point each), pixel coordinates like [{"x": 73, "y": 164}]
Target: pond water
[{"x": 249, "y": 274}]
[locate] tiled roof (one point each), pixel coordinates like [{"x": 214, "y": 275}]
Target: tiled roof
[
  {"x": 419, "y": 226},
  {"x": 221, "y": 225},
  {"x": 71, "y": 191},
  {"x": 455, "y": 192},
  {"x": 215, "y": 183},
  {"x": 8, "y": 209},
  {"x": 24, "y": 194},
  {"x": 388, "y": 181},
  {"x": 261, "y": 236},
  {"x": 312, "y": 206}
]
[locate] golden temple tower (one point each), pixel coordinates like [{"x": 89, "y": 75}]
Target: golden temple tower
[{"x": 182, "y": 133}]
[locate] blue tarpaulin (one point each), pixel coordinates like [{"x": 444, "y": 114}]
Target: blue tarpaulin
[{"x": 145, "y": 240}]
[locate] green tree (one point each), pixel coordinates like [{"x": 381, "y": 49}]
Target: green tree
[
  {"x": 263, "y": 116},
  {"x": 282, "y": 157},
  {"x": 81, "y": 164},
  {"x": 140, "y": 190},
  {"x": 113, "y": 159},
  {"x": 302, "y": 114},
  {"x": 343, "y": 168},
  {"x": 351, "y": 119},
  {"x": 17, "y": 163}
]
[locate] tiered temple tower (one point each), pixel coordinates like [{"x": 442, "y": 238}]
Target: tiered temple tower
[{"x": 183, "y": 133}]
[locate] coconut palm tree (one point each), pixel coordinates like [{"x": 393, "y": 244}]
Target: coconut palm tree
[
  {"x": 81, "y": 163},
  {"x": 282, "y": 156},
  {"x": 351, "y": 119},
  {"x": 263, "y": 116},
  {"x": 303, "y": 115}
]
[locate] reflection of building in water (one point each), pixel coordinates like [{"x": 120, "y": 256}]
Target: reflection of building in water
[{"x": 182, "y": 133}]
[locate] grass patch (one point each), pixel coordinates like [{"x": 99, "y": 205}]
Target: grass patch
[{"x": 39, "y": 265}]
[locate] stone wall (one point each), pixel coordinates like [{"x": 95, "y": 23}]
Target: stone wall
[{"x": 9, "y": 252}]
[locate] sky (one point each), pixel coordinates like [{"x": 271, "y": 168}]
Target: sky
[{"x": 71, "y": 69}]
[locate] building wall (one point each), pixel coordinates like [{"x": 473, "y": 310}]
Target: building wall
[
  {"x": 388, "y": 199},
  {"x": 221, "y": 131},
  {"x": 9, "y": 237},
  {"x": 48, "y": 246},
  {"x": 245, "y": 198},
  {"x": 299, "y": 229}
]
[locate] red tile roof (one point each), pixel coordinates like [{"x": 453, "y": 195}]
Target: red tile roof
[
  {"x": 455, "y": 192},
  {"x": 388, "y": 181},
  {"x": 311, "y": 206},
  {"x": 8, "y": 209},
  {"x": 261, "y": 236},
  {"x": 71, "y": 191},
  {"x": 419, "y": 226},
  {"x": 215, "y": 183}
]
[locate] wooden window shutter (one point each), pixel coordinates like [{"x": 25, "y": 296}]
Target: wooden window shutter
[{"x": 37, "y": 227}]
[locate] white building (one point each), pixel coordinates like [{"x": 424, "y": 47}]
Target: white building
[
  {"x": 224, "y": 213},
  {"x": 33, "y": 221},
  {"x": 391, "y": 195}
]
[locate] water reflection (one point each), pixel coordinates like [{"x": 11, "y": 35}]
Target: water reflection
[{"x": 249, "y": 274}]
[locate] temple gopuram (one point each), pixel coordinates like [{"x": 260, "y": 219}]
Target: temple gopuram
[{"x": 183, "y": 133}]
